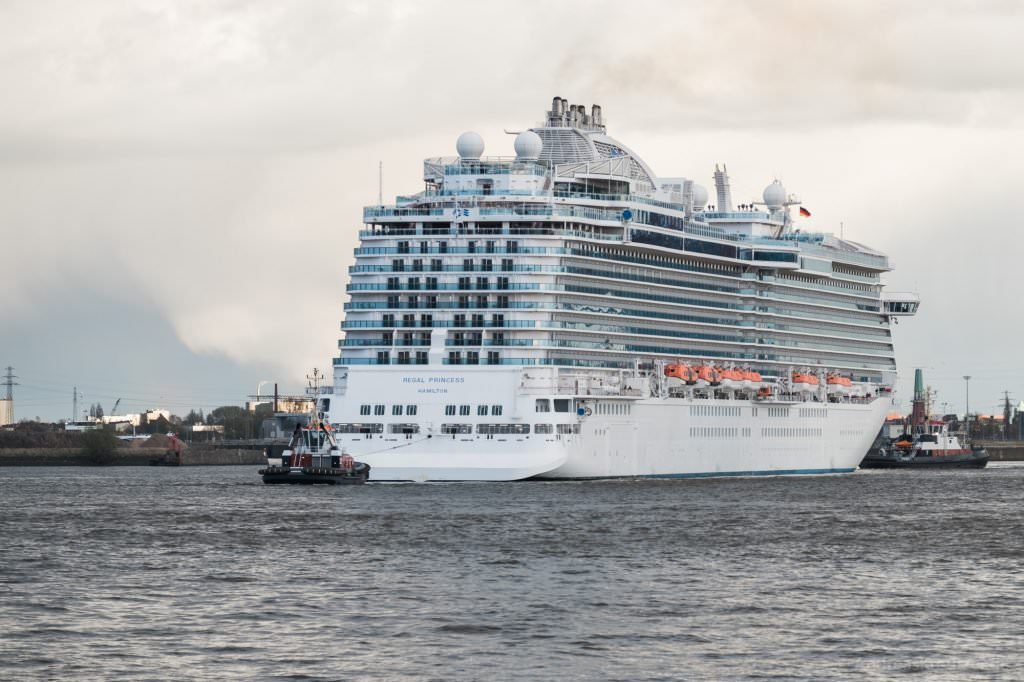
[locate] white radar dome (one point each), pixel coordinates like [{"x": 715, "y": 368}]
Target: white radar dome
[
  {"x": 700, "y": 197},
  {"x": 528, "y": 145},
  {"x": 470, "y": 145},
  {"x": 774, "y": 195}
]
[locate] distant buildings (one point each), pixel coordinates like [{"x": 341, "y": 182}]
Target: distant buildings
[
  {"x": 205, "y": 433},
  {"x": 6, "y": 412},
  {"x": 286, "y": 403}
]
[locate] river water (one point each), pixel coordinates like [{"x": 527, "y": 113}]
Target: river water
[{"x": 156, "y": 573}]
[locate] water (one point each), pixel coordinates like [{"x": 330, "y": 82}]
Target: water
[{"x": 140, "y": 573}]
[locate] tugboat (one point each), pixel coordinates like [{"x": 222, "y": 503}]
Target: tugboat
[
  {"x": 936, "y": 448},
  {"x": 930, "y": 445},
  {"x": 313, "y": 456}
]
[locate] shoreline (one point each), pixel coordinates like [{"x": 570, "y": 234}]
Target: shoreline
[{"x": 193, "y": 456}]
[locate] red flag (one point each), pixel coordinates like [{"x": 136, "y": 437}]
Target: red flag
[{"x": 804, "y": 212}]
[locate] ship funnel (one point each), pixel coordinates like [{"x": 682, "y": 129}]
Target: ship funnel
[
  {"x": 595, "y": 115},
  {"x": 556, "y": 106}
]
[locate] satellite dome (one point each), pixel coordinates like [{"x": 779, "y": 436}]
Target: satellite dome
[
  {"x": 528, "y": 145},
  {"x": 774, "y": 195},
  {"x": 470, "y": 145},
  {"x": 700, "y": 196}
]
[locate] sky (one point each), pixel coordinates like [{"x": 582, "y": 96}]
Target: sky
[{"x": 181, "y": 182}]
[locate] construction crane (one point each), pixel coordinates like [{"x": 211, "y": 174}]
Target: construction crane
[{"x": 113, "y": 410}]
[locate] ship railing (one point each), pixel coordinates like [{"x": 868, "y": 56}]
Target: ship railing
[
  {"x": 541, "y": 193},
  {"x": 455, "y": 250},
  {"x": 868, "y": 259},
  {"x": 492, "y": 165},
  {"x": 491, "y": 342},
  {"x": 383, "y": 305},
  {"x": 403, "y": 286},
  {"x": 799, "y": 283},
  {"x": 760, "y": 216},
  {"x": 510, "y": 324},
  {"x": 495, "y": 269}
]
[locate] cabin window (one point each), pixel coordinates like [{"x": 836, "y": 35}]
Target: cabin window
[
  {"x": 543, "y": 429},
  {"x": 378, "y": 410},
  {"x": 495, "y": 410},
  {"x": 481, "y": 410},
  {"x": 364, "y": 410},
  {"x": 396, "y": 410},
  {"x": 464, "y": 410},
  {"x": 561, "y": 404},
  {"x": 452, "y": 429},
  {"x": 542, "y": 405},
  {"x": 410, "y": 410},
  {"x": 449, "y": 410}
]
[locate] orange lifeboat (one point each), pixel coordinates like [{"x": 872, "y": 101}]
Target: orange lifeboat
[
  {"x": 837, "y": 383},
  {"x": 708, "y": 376},
  {"x": 682, "y": 372},
  {"x": 732, "y": 378},
  {"x": 804, "y": 380},
  {"x": 764, "y": 392},
  {"x": 677, "y": 371}
]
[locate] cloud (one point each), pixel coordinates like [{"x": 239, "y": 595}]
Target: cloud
[
  {"x": 208, "y": 161},
  {"x": 809, "y": 64}
]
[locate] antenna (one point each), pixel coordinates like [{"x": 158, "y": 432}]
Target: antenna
[{"x": 380, "y": 183}]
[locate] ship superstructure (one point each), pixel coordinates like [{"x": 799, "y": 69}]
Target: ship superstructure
[{"x": 518, "y": 316}]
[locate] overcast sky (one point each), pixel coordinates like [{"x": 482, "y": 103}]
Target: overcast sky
[{"x": 181, "y": 182}]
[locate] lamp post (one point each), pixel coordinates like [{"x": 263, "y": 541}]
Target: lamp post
[{"x": 967, "y": 405}]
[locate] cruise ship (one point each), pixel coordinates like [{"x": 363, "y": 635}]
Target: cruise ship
[{"x": 566, "y": 313}]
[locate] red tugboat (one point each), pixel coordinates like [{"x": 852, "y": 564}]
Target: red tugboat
[{"x": 313, "y": 456}]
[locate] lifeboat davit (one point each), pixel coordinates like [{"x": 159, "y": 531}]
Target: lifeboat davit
[
  {"x": 839, "y": 385},
  {"x": 751, "y": 379}
]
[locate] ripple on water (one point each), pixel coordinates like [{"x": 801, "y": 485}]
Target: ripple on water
[{"x": 201, "y": 572}]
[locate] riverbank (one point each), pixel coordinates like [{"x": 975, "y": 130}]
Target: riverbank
[
  {"x": 1003, "y": 450},
  {"x": 193, "y": 456}
]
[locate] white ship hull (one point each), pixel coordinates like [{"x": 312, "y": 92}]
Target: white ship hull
[{"x": 615, "y": 436}]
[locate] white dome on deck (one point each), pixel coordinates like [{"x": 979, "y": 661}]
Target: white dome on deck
[
  {"x": 528, "y": 145},
  {"x": 470, "y": 145},
  {"x": 774, "y": 195},
  {"x": 700, "y": 196}
]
